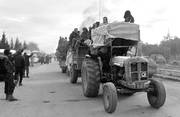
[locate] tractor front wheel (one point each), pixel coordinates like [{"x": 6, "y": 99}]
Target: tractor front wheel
[
  {"x": 157, "y": 95},
  {"x": 110, "y": 97}
]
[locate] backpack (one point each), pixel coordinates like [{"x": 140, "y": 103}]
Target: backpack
[{"x": 2, "y": 68}]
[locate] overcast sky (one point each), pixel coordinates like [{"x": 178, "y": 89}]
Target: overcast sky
[{"x": 43, "y": 21}]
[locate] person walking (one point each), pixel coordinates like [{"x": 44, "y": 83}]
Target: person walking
[
  {"x": 27, "y": 63},
  {"x": 19, "y": 66},
  {"x": 10, "y": 81}
]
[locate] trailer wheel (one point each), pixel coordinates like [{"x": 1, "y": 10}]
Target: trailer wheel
[
  {"x": 157, "y": 96},
  {"x": 73, "y": 75},
  {"x": 63, "y": 69},
  {"x": 90, "y": 78},
  {"x": 110, "y": 97}
]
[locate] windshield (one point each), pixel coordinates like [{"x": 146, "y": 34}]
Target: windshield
[{"x": 132, "y": 51}]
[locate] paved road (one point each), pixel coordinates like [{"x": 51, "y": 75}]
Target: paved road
[{"x": 48, "y": 93}]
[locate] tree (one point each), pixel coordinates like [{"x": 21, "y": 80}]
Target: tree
[
  {"x": 173, "y": 45},
  {"x": 33, "y": 46},
  {"x": 148, "y": 49},
  {"x": 24, "y": 45},
  {"x": 12, "y": 44},
  {"x": 17, "y": 45},
  {"x": 3, "y": 40},
  {"x": 4, "y": 43},
  {"x": 168, "y": 48}
]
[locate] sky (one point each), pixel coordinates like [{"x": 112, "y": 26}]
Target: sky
[{"x": 43, "y": 21}]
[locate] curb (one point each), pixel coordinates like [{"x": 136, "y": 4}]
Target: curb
[{"x": 167, "y": 77}]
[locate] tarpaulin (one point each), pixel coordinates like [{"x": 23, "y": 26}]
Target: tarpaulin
[{"x": 129, "y": 31}]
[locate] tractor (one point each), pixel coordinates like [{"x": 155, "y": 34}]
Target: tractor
[{"x": 115, "y": 63}]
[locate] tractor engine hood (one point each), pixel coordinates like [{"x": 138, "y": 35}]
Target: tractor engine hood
[{"x": 122, "y": 60}]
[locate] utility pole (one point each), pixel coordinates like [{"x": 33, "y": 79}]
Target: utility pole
[
  {"x": 168, "y": 36},
  {"x": 99, "y": 6}
]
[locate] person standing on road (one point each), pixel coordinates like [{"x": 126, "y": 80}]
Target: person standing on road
[
  {"x": 19, "y": 66},
  {"x": 10, "y": 81},
  {"x": 42, "y": 59},
  {"x": 27, "y": 63}
]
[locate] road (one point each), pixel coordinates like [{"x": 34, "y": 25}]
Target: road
[{"x": 48, "y": 93}]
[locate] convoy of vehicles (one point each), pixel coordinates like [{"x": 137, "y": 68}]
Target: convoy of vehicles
[{"x": 112, "y": 61}]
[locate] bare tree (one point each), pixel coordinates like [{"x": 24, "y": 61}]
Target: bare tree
[{"x": 33, "y": 46}]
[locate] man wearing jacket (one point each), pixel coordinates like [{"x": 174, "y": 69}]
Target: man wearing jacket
[
  {"x": 10, "y": 81},
  {"x": 19, "y": 66},
  {"x": 26, "y": 57},
  {"x": 73, "y": 37}
]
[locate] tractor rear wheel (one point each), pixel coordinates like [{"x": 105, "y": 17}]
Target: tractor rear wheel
[
  {"x": 63, "y": 69},
  {"x": 90, "y": 78}
]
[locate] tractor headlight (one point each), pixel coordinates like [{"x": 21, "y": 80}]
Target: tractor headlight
[{"x": 143, "y": 74}]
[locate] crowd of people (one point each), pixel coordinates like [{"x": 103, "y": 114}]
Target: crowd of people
[
  {"x": 14, "y": 68},
  {"x": 86, "y": 33},
  {"x": 45, "y": 59}
]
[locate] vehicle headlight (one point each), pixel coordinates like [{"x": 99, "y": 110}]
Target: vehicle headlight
[{"x": 143, "y": 74}]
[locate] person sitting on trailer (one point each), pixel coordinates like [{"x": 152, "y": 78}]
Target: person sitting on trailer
[
  {"x": 128, "y": 17},
  {"x": 73, "y": 37},
  {"x": 105, "y": 20},
  {"x": 84, "y": 34}
]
